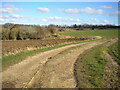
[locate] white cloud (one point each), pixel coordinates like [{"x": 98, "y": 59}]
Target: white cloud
[
  {"x": 8, "y": 8},
  {"x": 5, "y": 10},
  {"x": 72, "y": 20},
  {"x": 94, "y": 20},
  {"x": 92, "y": 11},
  {"x": 72, "y": 11},
  {"x": 8, "y": 19},
  {"x": 2, "y": 20},
  {"x": 13, "y": 20},
  {"x": 106, "y": 7},
  {"x": 44, "y": 20},
  {"x": 116, "y": 13},
  {"x": 0, "y": 5},
  {"x": 87, "y": 10},
  {"x": 56, "y": 19},
  {"x": 43, "y": 9},
  {"x": 16, "y": 16},
  {"x": 5, "y": 17},
  {"x": 106, "y": 21}
]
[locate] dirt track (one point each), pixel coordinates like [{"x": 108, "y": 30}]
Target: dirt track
[{"x": 50, "y": 69}]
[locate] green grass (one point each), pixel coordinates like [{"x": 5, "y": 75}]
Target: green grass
[
  {"x": 114, "y": 52},
  {"x": 87, "y": 33},
  {"x": 92, "y": 63},
  {"x": 16, "y": 58},
  {"x": 95, "y": 66}
]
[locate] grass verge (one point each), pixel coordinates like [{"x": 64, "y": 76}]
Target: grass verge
[
  {"x": 114, "y": 52},
  {"x": 89, "y": 68},
  {"x": 16, "y": 58}
]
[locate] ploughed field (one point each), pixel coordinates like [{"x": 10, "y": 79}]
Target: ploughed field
[{"x": 12, "y": 47}]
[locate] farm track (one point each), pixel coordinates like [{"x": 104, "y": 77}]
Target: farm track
[{"x": 50, "y": 69}]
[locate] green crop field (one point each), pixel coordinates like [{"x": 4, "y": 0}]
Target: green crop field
[{"x": 86, "y": 33}]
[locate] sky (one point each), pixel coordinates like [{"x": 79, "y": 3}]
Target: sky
[
  {"x": 61, "y": 13},
  {"x": 60, "y": 0}
]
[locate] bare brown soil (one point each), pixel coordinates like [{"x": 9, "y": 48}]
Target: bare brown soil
[
  {"x": 13, "y": 47},
  {"x": 50, "y": 69}
]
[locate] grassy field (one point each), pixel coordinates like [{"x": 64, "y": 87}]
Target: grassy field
[
  {"x": 16, "y": 58},
  {"x": 88, "y": 33},
  {"x": 114, "y": 52},
  {"x": 90, "y": 68}
]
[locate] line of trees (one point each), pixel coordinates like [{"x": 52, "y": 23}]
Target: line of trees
[
  {"x": 88, "y": 26},
  {"x": 23, "y": 32}
]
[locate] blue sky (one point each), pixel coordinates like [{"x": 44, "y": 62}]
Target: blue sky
[{"x": 44, "y": 13}]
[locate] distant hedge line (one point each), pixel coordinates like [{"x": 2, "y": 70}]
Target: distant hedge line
[{"x": 23, "y": 32}]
